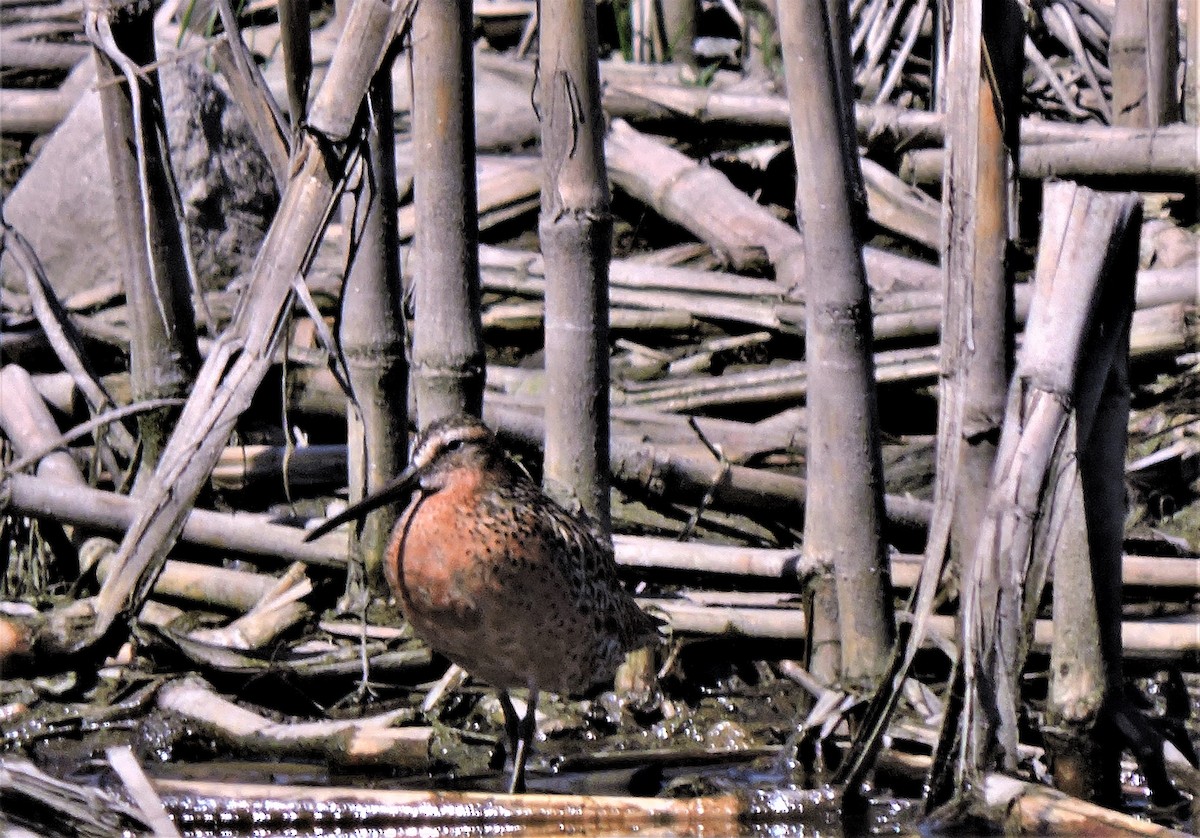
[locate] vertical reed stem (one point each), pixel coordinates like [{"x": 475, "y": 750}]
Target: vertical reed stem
[
  {"x": 447, "y": 354},
  {"x": 163, "y": 356},
  {"x": 844, "y": 511},
  {"x": 371, "y": 331},
  {"x": 575, "y": 230}
]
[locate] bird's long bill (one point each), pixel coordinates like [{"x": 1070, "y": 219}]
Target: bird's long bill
[{"x": 398, "y": 488}]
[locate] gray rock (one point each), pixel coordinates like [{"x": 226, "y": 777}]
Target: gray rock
[{"x": 64, "y": 205}]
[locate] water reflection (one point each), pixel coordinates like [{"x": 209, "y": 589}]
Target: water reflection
[{"x": 816, "y": 816}]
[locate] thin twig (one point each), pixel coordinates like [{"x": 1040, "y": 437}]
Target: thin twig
[
  {"x": 718, "y": 479},
  {"x": 1067, "y": 33},
  {"x": 900, "y": 58},
  {"x": 85, "y": 428},
  {"x": 1042, "y": 66}
]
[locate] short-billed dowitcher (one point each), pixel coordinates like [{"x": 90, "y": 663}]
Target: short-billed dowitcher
[{"x": 499, "y": 578}]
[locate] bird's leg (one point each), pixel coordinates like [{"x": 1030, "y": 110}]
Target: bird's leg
[
  {"x": 525, "y": 733},
  {"x": 512, "y": 726}
]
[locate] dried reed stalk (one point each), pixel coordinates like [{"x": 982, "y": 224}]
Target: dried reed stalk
[
  {"x": 1140, "y": 153},
  {"x": 107, "y": 512},
  {"x": 1083, "y": 239},
  {"x": 1018, "y": 804},
  {"x": 977, "y": 335},
  {"x": 296, "y": 42},
  {"x": 1143, "y": 54},
  {"x": 371, "y": 336},
  {"x": 354, "y": 742},
  {"x": 447, "y": 354},
  {"x": 844, "y": 508},
  {"x": 575, "y": 232},
  {"x": 149, "y": 218},
  {"x": 244, "y": 353}
]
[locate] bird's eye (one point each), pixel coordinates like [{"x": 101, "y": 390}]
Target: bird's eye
[{"x": 454, "y": 445}]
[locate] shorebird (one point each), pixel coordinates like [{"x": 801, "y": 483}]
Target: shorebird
[{"x": 499, "y": 578}]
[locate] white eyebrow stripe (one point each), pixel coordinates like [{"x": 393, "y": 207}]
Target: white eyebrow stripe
[{"x": 436, "y": 443}]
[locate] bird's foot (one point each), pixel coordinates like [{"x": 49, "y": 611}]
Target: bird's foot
[
  {"x": 521, "y": 730},
  {"x": 516, "y": 783},
  {"x": 1145, "y": 742}
]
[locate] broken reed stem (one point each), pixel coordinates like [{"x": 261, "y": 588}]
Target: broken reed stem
[
  {"x": 1143, "y": 154},
  {"x": 1083, "y": 302},
  {"x": 371, "y": 741},
  {"x": 249, "y": 90},
  {"x": 1101, "y": 426},
  {"x": 28, "y": 425},
  {"x": 67, "y": 344},
  {"x": 1077, "y": 676},
  {"x": 1162, "y": 640},
  {"x": 216, "y": 587}
]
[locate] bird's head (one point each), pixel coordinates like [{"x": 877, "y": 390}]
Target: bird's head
[
  {"x": 450, "y": 439},
  {"x": 447, "y": 443}
]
